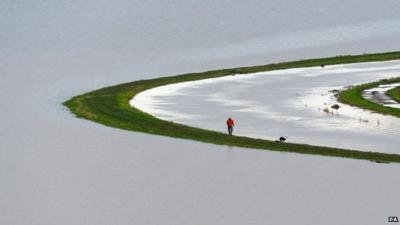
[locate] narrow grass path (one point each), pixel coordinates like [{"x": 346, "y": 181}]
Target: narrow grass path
[
  {"x": 110, "y": 106},
  {"x": 394, "y": 94},
  {"x": 353, "y": 96}
]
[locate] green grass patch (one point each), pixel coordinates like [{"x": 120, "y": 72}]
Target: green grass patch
[
  {"x": 110, "y": 106},
  {"x": 394, "y": 94},
  {"x": 353, "y": 96}
]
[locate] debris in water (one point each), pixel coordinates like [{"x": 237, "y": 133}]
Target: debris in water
[{"x": 335, "y": 106}]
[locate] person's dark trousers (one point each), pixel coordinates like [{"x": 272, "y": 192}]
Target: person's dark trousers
[{"x": 230, "y": 130}]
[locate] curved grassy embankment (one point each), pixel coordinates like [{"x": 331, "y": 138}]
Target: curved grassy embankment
[
  {"x": 394, "y": 94},
  {"x": 352, "y": 96},
  {"x": 110, "y": 106}
]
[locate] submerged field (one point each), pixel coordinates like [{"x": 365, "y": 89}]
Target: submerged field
[
  {"x": 57, "y": 169},
  {"x": 109, "y": 106},
  {"x": 352, "y": 96},
  {"x": 295, "y": 103}
]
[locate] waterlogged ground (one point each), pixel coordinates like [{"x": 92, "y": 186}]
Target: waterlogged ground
[
  {"x": 295, "y": 103},
  {"x": 378, "y": 95}
]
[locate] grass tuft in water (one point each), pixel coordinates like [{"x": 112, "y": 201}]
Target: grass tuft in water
[{"x": 394, "y": 94}]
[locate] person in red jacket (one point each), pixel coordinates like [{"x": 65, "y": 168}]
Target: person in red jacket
[{"x": 230, "y": 125}]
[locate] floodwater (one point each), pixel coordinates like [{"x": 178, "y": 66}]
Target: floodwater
[
  {"x": 295, "y": 103},
  {"x": 56, "y": 169},
  {"x": 378, "y": 95}
]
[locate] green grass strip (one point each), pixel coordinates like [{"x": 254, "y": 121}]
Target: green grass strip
[
  {"x": 394, "y": 94},
  {"x": 353, "y": 96},
  {"x": 110, "y": 106}
]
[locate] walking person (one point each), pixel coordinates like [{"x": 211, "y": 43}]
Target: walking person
[{"x": 230, "y": 124}]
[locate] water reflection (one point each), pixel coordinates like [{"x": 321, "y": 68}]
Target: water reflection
[
  {"x": 298, "y": 103},
  {"x": 378, "y": 95}
]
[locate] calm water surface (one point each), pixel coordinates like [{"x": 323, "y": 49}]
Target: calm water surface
[
  {"x": 295, "y": 103},
  {"x": 55, "y": 169}
]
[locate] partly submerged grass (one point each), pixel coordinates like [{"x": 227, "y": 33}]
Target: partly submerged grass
[
  {"x": 110, "y": 106},
  {"x": 353, "y": 96},
  {"x": 394, "y": 94}
]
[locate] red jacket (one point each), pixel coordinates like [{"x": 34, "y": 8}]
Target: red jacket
[{"x": 230, "y": 122}]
